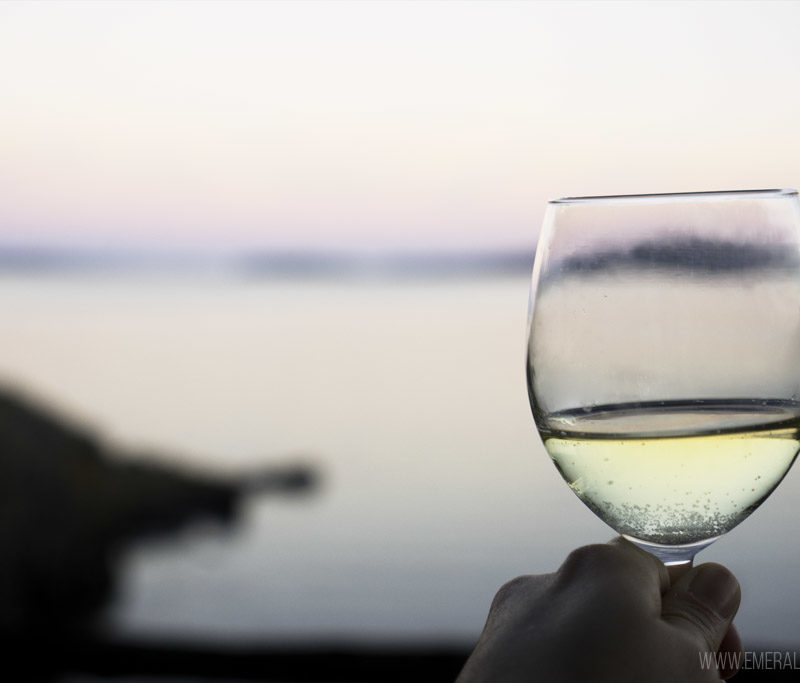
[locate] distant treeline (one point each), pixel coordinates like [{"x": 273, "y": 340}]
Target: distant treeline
[
  {"x": 266, "y": 264},
  {"x": 301, "y": 263}
]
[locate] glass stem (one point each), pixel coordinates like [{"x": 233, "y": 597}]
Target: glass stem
[{"x": 673, "y": 555}]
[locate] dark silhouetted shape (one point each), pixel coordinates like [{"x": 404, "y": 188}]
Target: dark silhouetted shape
[{"x": 67, "y": 510}]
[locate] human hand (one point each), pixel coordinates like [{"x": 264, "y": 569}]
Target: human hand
[{"x": 609, "y": 614}]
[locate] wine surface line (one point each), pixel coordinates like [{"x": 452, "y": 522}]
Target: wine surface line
[{"x": 674, "y": 472}]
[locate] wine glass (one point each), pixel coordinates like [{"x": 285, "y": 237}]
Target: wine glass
[{"x": 664, "y": 357}]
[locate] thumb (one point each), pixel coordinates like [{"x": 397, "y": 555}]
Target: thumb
[{"x": 702, "y": 604}]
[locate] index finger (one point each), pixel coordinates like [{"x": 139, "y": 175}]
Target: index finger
[
  {"x": 651, "y": 562},
  {"x": 617, "y": 569}
]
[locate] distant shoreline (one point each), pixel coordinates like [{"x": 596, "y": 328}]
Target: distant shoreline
[{"x": 258, "y": 264}]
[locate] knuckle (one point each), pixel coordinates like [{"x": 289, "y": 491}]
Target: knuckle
[
  {"x": 511, "y": 591},
  {"x": 590, "y": 558}
]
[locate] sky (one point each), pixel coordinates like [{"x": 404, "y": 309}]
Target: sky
[{"x": 377, "y": 125}]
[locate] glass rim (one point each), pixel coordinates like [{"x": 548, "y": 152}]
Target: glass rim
[{"x": 780, "y": 192}]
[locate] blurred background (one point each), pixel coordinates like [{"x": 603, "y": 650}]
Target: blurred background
[{"x": 264, "y": 273}]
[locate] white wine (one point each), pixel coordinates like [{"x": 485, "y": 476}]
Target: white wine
[{"x": 674, "y": 473}]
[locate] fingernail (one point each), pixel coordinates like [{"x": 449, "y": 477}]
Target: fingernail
[{"x": 716, "y": 587}]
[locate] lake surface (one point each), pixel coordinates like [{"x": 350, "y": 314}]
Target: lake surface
[{"x": 409, "y": 395}]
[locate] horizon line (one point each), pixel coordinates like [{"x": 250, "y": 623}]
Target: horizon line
[{"x": 264, "y": 263}]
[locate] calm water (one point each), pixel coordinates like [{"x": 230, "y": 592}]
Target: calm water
[{"x": 409, "y": 396}]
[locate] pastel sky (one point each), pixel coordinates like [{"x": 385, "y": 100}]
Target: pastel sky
[{"x": 378, "y": 125}]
